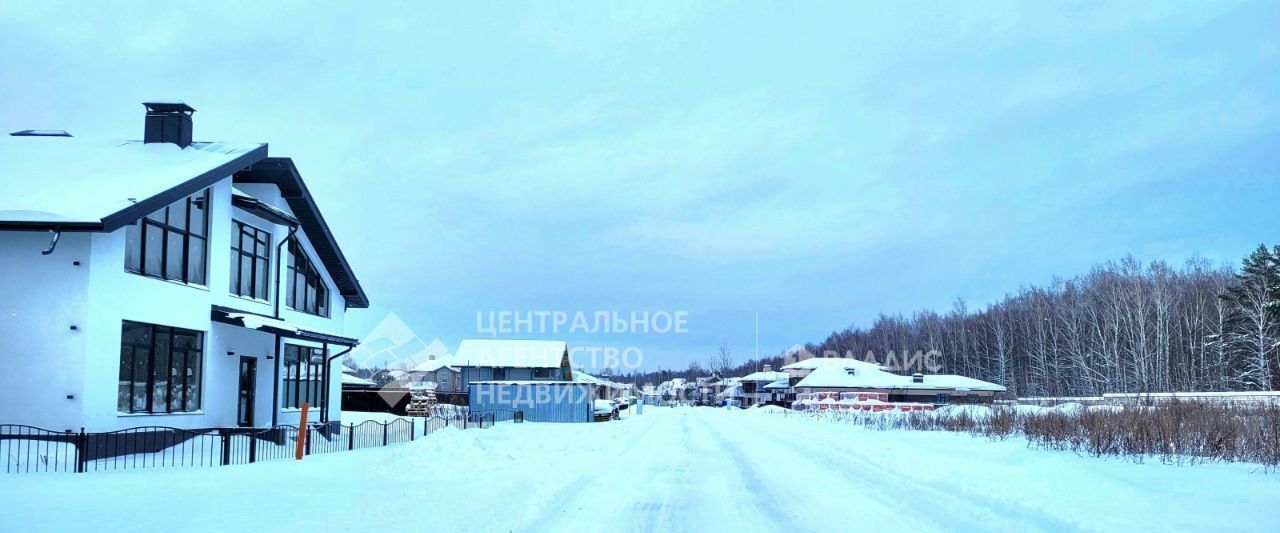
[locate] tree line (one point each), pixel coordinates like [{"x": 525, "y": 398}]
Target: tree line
[{"x": 1123, "y": 327}]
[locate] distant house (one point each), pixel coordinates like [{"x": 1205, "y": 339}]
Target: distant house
[
  {"x": 730, "y": 392},
  {"x": 780, "y": 392},
  {"x": 511, "y": 360},
  {"x": 851, "y": 375},
  {"x": 753, "y": 385},
  {"x": 165, "y": 282},
  {"x": 605, "y": 389},
  {"x": 706, "y": 389},
  {"x": 439, "y": 373}
]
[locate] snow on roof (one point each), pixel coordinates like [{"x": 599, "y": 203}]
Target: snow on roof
[
  {"x": 770, "y": 376},
  {"x": 77, "y": 180},
  {"x": 784, "y": 383},
  {"x": 953, "y": 381},
  {"x": 874, "y": 378},
  {"x": 348, "y": 379},
  {"x": 432, "y": 365},
  {"x": 253, "y": 321},
  {"x": 584, "y": 377},
  {"x": 510, "y": 353},
  {"x": 734, "y": 391},
  {"x": 814, "y": 363}
]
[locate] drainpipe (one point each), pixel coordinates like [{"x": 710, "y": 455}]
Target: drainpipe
[
  {"x": 280, "y": 278},
  {"x": 275, "y": 385},
  {"x": 57, "y": 234},
  {"x": 324, "y": 415}
]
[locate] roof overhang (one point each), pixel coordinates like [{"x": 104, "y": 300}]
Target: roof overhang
[
  {"x": 281, "y": 172},
  {"x": 263, "y": 210},
  {"x": 148, "y": 205},
  {"x": 245, "y": 319}
]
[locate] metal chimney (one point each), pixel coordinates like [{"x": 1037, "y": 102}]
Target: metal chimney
[{"x": 168, "y": 122}]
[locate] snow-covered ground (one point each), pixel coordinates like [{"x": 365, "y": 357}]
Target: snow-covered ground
[
  {"x": 358, "y": 417},
  {"x": 666, "y": 470}
]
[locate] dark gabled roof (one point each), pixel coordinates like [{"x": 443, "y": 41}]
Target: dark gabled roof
[{"x": 281, "y": 172}]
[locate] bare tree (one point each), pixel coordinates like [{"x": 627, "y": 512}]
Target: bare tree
[
  {"x": 723, "y": 360},
  {"x": 1124, "y": 326}
]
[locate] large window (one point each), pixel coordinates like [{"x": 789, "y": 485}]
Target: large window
[
  {"x": 160, "y": 369},
  {"x": 307, "y": 292},
  {"x": 303, "y": 376},
  {"x": 171, "y": 243},
  {"x": 250, "y": 261}
]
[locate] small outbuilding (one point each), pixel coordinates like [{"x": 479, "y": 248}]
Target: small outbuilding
[{"x": 537, "y": 401}]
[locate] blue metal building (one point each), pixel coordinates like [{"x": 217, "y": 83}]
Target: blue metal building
[{"x": 540, "y": 401}]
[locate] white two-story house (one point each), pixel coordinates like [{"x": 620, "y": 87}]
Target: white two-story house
[{"x": 165, "y": 282}]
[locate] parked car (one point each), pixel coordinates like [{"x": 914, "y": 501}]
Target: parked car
[{"x": 605, "y": 410}]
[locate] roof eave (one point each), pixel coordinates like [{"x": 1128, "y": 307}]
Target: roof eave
[
  {"x": 146, "y": 206},
  {"x": 281, "y": 172},
  {"x": 13, "y": 225}
]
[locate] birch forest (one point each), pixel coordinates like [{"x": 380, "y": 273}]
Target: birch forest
[{"x": 1123, "y": 327}]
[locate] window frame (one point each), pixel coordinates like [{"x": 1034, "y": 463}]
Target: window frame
[
  {"x": 192, "y": 374},
  {"x": 293, "y": 397},
  {"x": 303, "y": 274},
  {"x": 189, "y": 231},
  {"x": 239, "y": 232}
]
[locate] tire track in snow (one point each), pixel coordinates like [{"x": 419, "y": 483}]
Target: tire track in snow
[
  {"x": 763, "y": 494},
  {"x": 954, "y": 502},
  {"x": 829, "y": 499},
  {"x": 570, "y": 496}
]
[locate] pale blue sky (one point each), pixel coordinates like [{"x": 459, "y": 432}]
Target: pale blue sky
[{"x": 816, "y": 165}]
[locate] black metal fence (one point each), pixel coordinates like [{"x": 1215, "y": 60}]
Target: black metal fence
[{"x": 33, "y": 449}]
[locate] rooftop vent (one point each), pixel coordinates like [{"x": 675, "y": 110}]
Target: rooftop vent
[
  {"x": 917, "y": 378},
  {"x": 768, "y": 368},
  {"x": 168, "y": 122},
  {"x": 41, "y": 133}
]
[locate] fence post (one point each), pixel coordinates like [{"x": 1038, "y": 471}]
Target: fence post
[
  {"x": 413, "y": 429},
  {"x": 384, "y": 434},
  {"x": 82, "y": 451},
  {"x": 351, "y": 437},
  {"x": 226, "y": 447},
  {"x": 308, "y": 430},
  {"x": 253, "y": 447}
]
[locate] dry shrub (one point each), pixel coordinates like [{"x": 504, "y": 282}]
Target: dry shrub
[{"x": 1174, "y": 432}]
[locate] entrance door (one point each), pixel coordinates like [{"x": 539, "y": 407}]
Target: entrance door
[{"x": 248, "y": 386}]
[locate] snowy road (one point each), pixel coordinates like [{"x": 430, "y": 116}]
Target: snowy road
[{"x": 667, "y": 470}]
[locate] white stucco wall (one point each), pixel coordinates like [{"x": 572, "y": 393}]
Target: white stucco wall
[
  {"x": 42, "y": 360},
  {"x": 41, "y": 357}
]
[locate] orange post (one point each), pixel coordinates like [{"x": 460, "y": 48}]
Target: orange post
[{"x": 302, "y": 432}]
